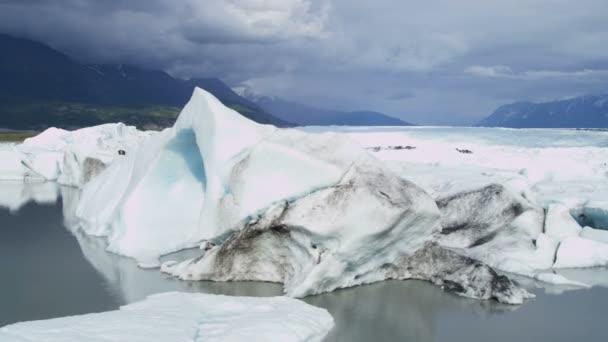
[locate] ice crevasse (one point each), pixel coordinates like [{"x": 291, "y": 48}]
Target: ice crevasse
[{"x": 313, "y": 211}]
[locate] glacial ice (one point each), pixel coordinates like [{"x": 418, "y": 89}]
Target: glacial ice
[
  {"x": 177, "y": 316},
  {"x": 69, "y": 158},
  {"x": 312, "y": 209}
]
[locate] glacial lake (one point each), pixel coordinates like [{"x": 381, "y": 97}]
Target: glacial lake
[{"x": 48, "y": 270}]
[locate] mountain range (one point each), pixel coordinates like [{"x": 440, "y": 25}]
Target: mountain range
[
  {"x": 41, "y": 87},
  {"x": 589, "y": 111},
  {"x": 306, "y": 115}
]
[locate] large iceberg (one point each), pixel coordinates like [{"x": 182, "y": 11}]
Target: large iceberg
[
  {"x": 185, "y": 317},
  {"x": 317, "y": 211}
]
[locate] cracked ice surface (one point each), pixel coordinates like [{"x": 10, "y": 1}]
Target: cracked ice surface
[{"x": 185, "y": 317}]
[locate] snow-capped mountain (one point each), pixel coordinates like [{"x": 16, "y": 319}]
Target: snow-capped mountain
[
  {"x": 589, "y": 111},
  {"x": 306, "y": 115}
]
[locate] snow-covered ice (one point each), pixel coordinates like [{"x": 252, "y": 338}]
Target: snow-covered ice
[
  {"x": 69, "y": 158},
  {"x": 185, "y": 317}
]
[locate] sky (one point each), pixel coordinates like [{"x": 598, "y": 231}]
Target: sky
[{"x": 433, "y": 62}]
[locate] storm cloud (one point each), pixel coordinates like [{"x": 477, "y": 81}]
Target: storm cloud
[{"x": 431, "y": 62}]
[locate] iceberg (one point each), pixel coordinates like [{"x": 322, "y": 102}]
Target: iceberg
[
  {"x": 318, "y": 200},
  {"x": 185, "y": 317},
  {"x": 319, "y": 210},
  {"x": 315, "y": 212}
]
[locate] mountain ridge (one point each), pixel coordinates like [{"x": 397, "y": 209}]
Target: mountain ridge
[
  {"x": 587, "y": 111},
  {"x": 34, "y": 73},
  {"x": 307, "y": 115}
]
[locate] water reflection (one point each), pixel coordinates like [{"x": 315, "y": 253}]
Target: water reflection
[
  {"x": 14, "y": 195},
  {"x": 396, "y": 311},
  {"x": 131, "y": 283}
]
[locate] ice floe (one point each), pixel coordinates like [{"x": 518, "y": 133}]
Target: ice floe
[{"x": 178, "y": 316}]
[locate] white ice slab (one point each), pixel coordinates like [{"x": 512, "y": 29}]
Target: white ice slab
[{"x": 185, "y": 317}]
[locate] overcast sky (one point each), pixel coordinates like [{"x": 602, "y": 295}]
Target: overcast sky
[{"x": 429, "y": 62}]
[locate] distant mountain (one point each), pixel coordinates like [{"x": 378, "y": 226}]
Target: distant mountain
[
  {"x": 305, "y": 115},
  {"x": 589, "y": 111},
  {"x": 38, "y": 82}
]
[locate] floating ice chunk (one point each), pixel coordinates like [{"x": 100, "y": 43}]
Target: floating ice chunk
[
  {"x": 185, "y": 317},
  {"x": 559, "y": 223},
  {"x": 576, "y": 251}
]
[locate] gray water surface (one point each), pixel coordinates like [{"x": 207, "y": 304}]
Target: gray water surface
[{"x": 51, "y": 270}]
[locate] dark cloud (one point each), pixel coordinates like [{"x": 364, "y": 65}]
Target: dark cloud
[{"x": 433, "y": 62}]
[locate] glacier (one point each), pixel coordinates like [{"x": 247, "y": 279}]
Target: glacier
[
  {"x": 176, "y": 316},
  {"x": 318, "y": 209}
]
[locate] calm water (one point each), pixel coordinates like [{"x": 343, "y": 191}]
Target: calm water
[{"x": 49, "y": 271}]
